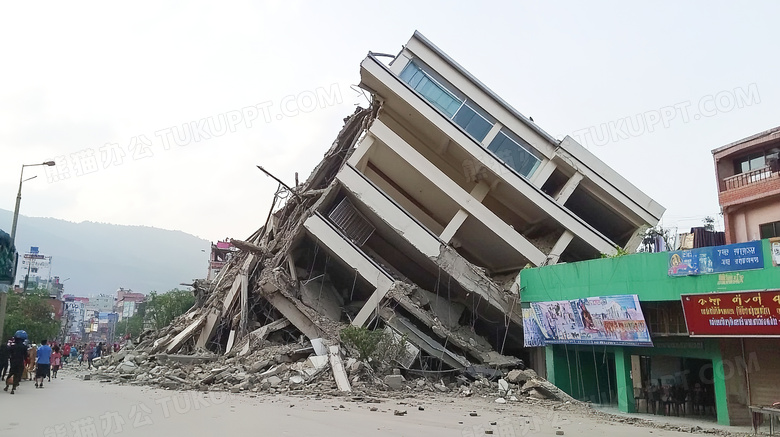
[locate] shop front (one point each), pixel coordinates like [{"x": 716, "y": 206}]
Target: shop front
[{"x": 703, "y": 340}]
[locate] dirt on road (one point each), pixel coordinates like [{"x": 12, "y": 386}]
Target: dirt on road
[{"x": 70, "y": 407}]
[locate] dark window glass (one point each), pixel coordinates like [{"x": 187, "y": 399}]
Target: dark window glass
[
  {"x": 472, "y": 122},
  {"x": 513, "y": 154},
  {"x": 431, "y": 90},
  {"x": 770, "y": 230}
]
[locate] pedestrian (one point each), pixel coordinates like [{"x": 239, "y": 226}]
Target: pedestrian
[
  {"x": 32, "y": 355},
  {"x": 56, "y": 361},
  {"x": 4, "y": 351},
  {"x": 74, "y": 352},
  {"x": 43, "y": 367},
  {"x": 90, "y": 355},
  {"x": 65, "y": 353},
  {"x": 17, "y": 356}
]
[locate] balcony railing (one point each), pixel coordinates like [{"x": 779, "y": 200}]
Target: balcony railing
[{"x": 747, "y": 178}]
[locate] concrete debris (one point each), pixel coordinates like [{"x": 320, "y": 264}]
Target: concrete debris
[{"x": 271, "y": 320}]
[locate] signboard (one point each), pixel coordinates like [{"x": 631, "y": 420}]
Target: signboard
[
  {"x": 532, "y": 335},
  {"x": 746, "y": 313},
  {"x": 774, "y": 245},
  {"x": 604, "y": 320},
  {"x": 716, "y": 259}
]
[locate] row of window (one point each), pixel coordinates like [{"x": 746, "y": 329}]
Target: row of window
[{"x": 507, "y": 147}]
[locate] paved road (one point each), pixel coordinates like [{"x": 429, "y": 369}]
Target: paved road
[{"x": 70, "y": 407}]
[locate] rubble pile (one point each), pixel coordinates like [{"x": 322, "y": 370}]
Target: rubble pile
[
  {"x": 282, "y": 369},
  {"x": 272, "y": 319}
]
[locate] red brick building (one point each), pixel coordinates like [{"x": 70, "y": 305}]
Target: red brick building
[{"x": 748, "y": 176}]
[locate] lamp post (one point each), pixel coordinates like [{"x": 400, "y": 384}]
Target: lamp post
[{"x": 4, "y": 296}]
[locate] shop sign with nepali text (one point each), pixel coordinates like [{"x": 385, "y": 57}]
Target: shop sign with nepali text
[
  {"x": 746, "y": 313},
  {"x": 717, "y": 259}
]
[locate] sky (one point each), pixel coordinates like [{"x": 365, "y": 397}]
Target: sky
[{"x": 157, "y": 113}]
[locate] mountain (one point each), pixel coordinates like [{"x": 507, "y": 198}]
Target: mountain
[{"x": 101, "y": 257}]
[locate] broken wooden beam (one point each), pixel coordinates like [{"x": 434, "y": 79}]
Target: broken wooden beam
[
  {"x": 230, "y": 299},
  {"x": 262, "y": 332},
  {"x": 250, "y": 247},
  {"x": 231, "y": 341},
  {"x": 300, "y": 320},
  {"x": 339, "y": 374},
  {"x": 184, "y": 335},
  {"x": 212, "y": 320}
]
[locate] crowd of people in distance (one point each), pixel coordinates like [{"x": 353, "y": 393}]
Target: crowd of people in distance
[{"x": 21, "y": 360}]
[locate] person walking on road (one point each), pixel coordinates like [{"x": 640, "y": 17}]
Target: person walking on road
[
  {"x": 56, "y": 361},
  {"x": 4, "y": 351},
  {"x": 32, "y": 355},
  {"x": 65, "y": 354},
  {"x": 43, "y": 369},
  {"x": 17, "y": 356}
]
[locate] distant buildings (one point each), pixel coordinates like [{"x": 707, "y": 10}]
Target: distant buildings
[
  {"x": 221, "y": 252},
  {"x": 128, "y": 302},
  {"x": 748, "y": 176},
  {"x": 33, "y": 271}
]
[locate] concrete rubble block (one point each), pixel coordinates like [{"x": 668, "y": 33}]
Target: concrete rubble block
[
  {"x": 274, "y": 381},
  {"x": 185, "y": 359},
  {"x": 322, "y": 296},
  {"x": 296, "y": 380},
  {"x": 281, "y": 368},
  {"x": 518, "y": 376},
  {"x": 503, "y": 386},
  {"x": 258, "y": 366},
  {"x": 127, "y": 367},
  {"x": 396, "y": 382}
]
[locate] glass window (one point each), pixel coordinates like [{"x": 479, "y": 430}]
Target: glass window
[
  {"x": 474, "y": 123},
  {"x": 750, "y": 163},
  {"x": 514, "y": 154},
  {"x": 770, "y": 230},
  {"x": 433, "y": 92}
]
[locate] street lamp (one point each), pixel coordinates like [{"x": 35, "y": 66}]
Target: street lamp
[
  {"x": 19, "y": 197},
  {"x": 4, "y": 296}
]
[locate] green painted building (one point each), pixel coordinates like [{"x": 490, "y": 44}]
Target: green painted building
[{"x": 717, "y": 376}]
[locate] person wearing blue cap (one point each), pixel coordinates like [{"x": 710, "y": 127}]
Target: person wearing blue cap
[{"x": 18, "y": 353}]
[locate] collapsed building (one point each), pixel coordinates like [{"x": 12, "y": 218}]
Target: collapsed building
[{"x": 417, "y": 221}]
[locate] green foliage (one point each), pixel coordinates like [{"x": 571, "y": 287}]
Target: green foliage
[
  {"x": 33, "y": 313},
  {"x": 377, "y": 347},
  {"x": 709, "y": 223},
  {"x": 619, "y": 252},
  {"x": 363, "y": 340},
  {"x": 130, "y": 325},
  {"x": 162, "y": 308}
]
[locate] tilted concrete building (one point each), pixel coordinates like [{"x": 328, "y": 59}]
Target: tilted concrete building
[{"x": 447, "y": 195}]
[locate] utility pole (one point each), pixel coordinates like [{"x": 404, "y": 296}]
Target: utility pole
[{"x": 4, "y": 293}]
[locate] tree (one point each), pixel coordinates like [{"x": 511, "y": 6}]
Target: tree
[
  {"x": 33, "y": 313},
  {"x": 650, "y": 239},
  {"x": 133, "y": 326},
  {"x": 709, "y": 223},
  {"x": 162, "y": 308}
]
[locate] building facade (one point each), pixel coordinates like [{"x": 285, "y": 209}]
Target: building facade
[
  {"x": 34, "y": 270},
  {"x": 748, "y": 177},
  {"x": 128, "y": 303},
  {"x": 447, "y": 195},
  {"x": 712, "y": 318},
  {"x": 221, "y": 252}
]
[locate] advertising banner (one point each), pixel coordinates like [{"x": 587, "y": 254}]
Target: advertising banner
[
  {"x": 532, "y": 335},
  {"x": 774, "y": 244},
  {"x": 604, "y": 320},
  {"x": 746, "y": 313},
  {"x": 716, "y": 259}
]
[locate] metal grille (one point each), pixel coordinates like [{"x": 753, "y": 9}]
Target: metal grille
[{"x": 351, "y": 222}]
